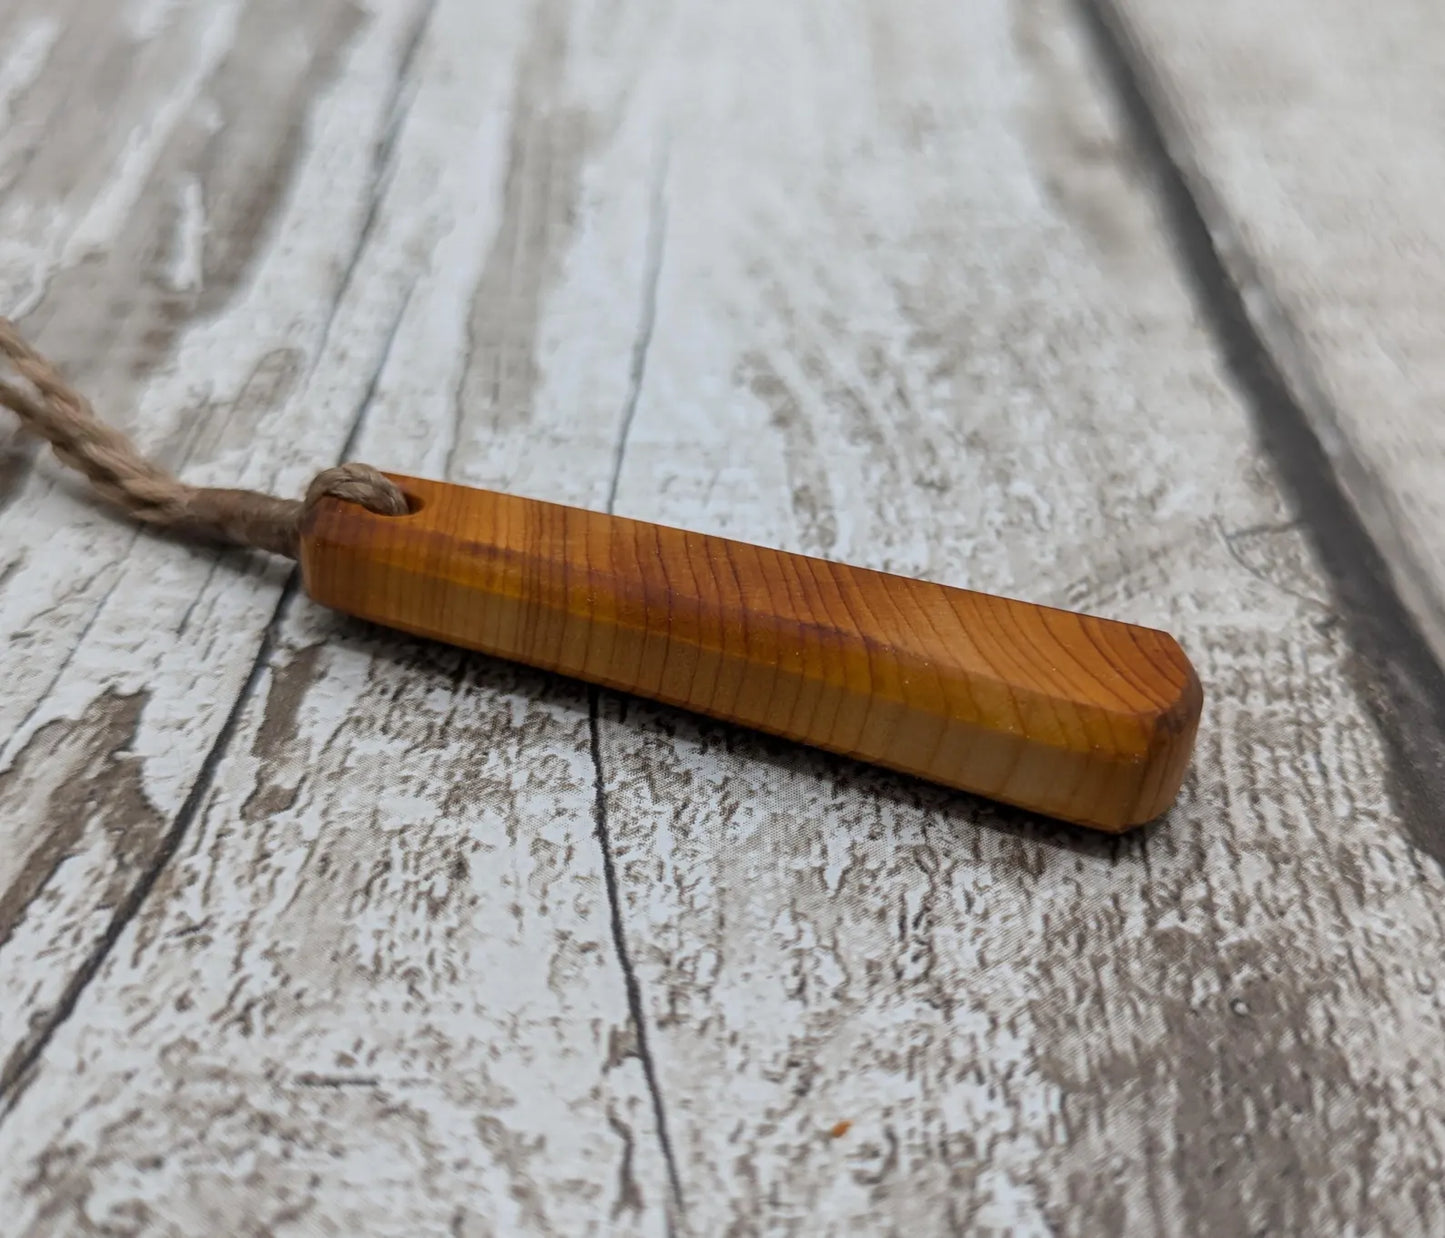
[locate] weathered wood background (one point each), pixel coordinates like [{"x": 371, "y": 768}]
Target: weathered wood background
[{"x": 307, "y": 928}]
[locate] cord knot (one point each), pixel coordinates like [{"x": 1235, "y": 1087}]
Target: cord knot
[{"x": 357, "y": 483}]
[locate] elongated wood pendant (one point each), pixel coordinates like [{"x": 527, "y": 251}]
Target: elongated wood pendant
[{"x": 1080, "y": 718}]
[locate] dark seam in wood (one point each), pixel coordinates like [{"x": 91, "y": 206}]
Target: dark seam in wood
[
  {"x": 1394, "y": 669},
  {"x": 619, "y": 942},
  {"x": 632, "y": 985},
  {"x": 652, "y": 276},
  {"x": 25, "y": 1060}
]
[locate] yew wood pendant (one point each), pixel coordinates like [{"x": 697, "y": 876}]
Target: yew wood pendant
[{"x": 1080, "y": 718}]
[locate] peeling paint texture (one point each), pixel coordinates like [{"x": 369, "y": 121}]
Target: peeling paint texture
[{"x": 310, "y": 928}]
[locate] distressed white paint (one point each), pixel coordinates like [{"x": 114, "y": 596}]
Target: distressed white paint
[
  {"x": 24, "y": 59},
  {"x": 943, "y": 321},
  {"x": 91, "y": 609},
  {"x": 147, "y": 18},
  {"x": 188, "y": 265},
  {"x": 574, "y": 1149},
  {"x": 912, "y": 310},
  {"x": 127, "y": 179}
]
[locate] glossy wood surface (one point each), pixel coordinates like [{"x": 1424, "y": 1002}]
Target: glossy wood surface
[{"x": 1076, "y": 717}]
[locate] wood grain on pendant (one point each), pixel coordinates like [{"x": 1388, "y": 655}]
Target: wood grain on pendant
[{"x": 1085, "y": 719}]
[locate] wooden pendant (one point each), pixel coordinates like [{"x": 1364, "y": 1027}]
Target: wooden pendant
[{"x": 1084, "y": 719}]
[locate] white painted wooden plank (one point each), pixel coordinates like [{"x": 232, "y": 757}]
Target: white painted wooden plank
[
  {"x": 380, "y": 974},
  {"x": 915, "y": 312},
  {"x": 911, "y": 310},
  {"x": 124, "y": 654},
  {"x": 1311, "y": 132},
  {"x": 376, "y": 992}
]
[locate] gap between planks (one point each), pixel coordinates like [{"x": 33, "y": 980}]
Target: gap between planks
[
  {"x": 647, "y": 318},
  {"x": 1396, "y": 670},
  {"x": 18, "y": 1069}
]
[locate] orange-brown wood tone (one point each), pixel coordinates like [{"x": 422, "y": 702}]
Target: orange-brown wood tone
[{"x": 1080, "y": 718}]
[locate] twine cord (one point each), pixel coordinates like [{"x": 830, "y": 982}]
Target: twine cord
[{"x": 50, "y": 408}]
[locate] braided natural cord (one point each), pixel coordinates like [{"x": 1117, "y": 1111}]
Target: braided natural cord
[{"x": 53, "y": 410}]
